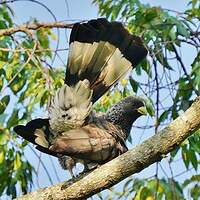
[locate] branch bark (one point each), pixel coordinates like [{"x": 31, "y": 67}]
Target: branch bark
[
  {"x": 34, "y": 26},
  {"x": 133, "y": 161}
]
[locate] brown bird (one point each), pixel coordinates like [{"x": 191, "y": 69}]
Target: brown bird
[{"x": 100, "y": 53}]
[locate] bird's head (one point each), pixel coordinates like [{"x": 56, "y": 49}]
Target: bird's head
[
  {"x": 133, "y": 106},
  {"x": 125, "y": 112}
]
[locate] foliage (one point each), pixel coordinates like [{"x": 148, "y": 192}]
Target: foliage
[
  {"x": 164, "y": 32},
  {"x": 23, "y": 77},
  {"x": 27, "y": 79}
]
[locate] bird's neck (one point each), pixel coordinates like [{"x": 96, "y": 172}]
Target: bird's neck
[{"x": 117, "y": 116}]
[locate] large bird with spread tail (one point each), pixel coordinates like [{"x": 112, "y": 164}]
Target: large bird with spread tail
[{"x": 100, "y": 54}]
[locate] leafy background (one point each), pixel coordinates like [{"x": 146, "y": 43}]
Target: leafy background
[{"x": 32, "y": 66}]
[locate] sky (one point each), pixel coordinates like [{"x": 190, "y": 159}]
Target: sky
[{"x": 70, "y": 10}]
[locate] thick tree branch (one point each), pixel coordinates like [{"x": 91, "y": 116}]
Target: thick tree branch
[{"x": 131, "y": 162}]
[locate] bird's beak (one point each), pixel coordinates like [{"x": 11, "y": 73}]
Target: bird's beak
[{"x": 142, "y": 110}]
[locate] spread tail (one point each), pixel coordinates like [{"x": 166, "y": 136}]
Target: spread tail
[
  {"x": 101, "y": 52},
  {"x": 37, "y": 132}
]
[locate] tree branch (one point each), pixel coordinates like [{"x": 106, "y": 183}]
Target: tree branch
[
  {"x": 34, "y": 26},
  {"x": 133, "y": 161}
]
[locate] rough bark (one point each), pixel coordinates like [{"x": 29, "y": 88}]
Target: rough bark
[{"x": 135, "y": 160}]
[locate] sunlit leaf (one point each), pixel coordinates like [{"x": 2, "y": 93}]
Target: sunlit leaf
[
  {"x": 13, "y": 119},
  {"x": 185, "y": 156},
  {"x": 149, "y": 106},
  {"x": 164, "y": 116},
  {"x": 2, "y": 156},
  {"x": 193, "y": 158},
  {"x": 4, "y": 102},
  {"x": 17, "y": 161},
  {"x": 182, "y": 30},
  {"x": 192, "y": 179},
  {"x": 134, "y": 84}
]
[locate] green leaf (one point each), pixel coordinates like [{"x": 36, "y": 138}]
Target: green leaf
[
  {"x": 149, "y": 106},
  {"x": 151, "y": 14},
  {"x": 193, "y": 158},
  {"x": 145, "y": 193},
  {"x": 138, "y": 70},
  {"x": 18, "y": 84},
  {"x": 3, "y": 24},
  {"x": 2, "y": 157},
  {"x": 185, "y": 156},
  {"x": 195, "y": 191},
  {"x": 161, "y": 58},
  {"x": 11, "y": 190},
  {"x": 163, "y": 116},
  {"x": 1, "y": 83},
  {"x": 193, "y": 179},
  {"x": 13, "y": 119},
  {"x": 115, "y": 11},
  {"x": 134, "y": 84},
  {"x": 146, "y": 67},
  {"x": 138, "y": 183},
  {"x": 44, "y": 98},
  {"x": 194, "y": 142},
  {"x": 7, "y": 17},
  {"x": 172, "y": 33},
  {"x": 2, "y": 71},
  {"x": 182, "y": 30},
  {"x": 4, "y": 103},
  {"x": 174, "y": 153},
  {"x": 17, "y": 161}
]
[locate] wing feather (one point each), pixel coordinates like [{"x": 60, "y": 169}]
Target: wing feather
[
  {"x": 101, "y": 52},
  {"x": 70, "y": 106}
]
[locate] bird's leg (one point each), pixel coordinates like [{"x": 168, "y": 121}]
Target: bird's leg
[
  {"x": 75, "y": 179},
  {"x": 71, "y": 172},
  {"x": 67, "y": 163}
]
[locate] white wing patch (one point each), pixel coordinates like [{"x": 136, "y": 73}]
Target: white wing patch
[
  {"x": 98, "y": 57},
  {"x": 70, "y": 106},
  {"x": 115, "y": 68},
  {"x": 92, "y": 57}
]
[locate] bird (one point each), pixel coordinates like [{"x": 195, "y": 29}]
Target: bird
[{"x": 100, "y": 54}]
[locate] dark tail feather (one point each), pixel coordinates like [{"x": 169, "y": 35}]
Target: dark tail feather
[
  {"x": 47, "y": 151},
  {"x": 30, "y": 133},
  {"x": 102, "y": 52}
]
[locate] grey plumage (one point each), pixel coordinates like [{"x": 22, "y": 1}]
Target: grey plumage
[
  {"x": 124, "y": 113},
  {"x": 70, "y": 106}
]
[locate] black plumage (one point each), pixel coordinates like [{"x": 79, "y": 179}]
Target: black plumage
[
  {"x": 100, "y": 53},
  {"x": 100, "y": 30}
]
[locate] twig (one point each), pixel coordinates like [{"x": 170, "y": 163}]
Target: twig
[
  {"x": 34, "y": 26},
  {"x": 30, "y": 50},
  {"x": 54, "y": 168},
  {"x": 184, "y": 69},
  {"x": 156, "y": 123},
  {"x": 43, "y": 165}
]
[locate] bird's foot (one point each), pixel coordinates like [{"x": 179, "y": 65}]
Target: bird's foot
[{"x": 74, "y": 179}]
